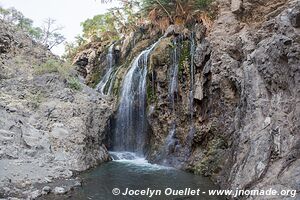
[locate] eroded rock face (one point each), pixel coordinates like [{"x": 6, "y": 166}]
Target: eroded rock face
[
  {"x": 246, "y": 95},
  {"x": 294, "y": 16},
  {"x": 5, "y": 42},
  {"x": 245, "y": 123},
  {"x": 91, "y": 62},
  {"x": 47, "y": 129},
  {"x": 248, "y": 104}
]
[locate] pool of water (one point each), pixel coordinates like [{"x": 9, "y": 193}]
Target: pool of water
[{"x": 131, "y": 174}]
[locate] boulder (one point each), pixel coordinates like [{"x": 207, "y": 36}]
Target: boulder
[
  {"x": 294, "y": 16},
  {"x": 59, "y": 190}
]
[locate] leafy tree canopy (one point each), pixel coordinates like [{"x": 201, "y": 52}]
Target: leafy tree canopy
[{"x": 134, "y": 13}]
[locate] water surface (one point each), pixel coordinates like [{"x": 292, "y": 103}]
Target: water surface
[{"x": 137, "y": 174}]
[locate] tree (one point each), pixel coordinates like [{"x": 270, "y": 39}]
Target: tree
[
  {"x": 4, "y": 13},
  {"x": 99, "y": 24},
  {"x": 51, "y": 35},
  {"x": 24, "y": 23},
  {"x": 14, "y": 15},
  {"x": 35, "y": 33}
]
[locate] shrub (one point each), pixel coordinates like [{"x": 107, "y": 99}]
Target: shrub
[
  {"x": 74, "y": 83},
  {"x": 49, "y": 66},
  {"x": 52, "y": 66}
]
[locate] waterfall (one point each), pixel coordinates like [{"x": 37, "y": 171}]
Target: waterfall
[
  {"x": 192, "y": 78},
  {"x": 131, "y": 124},
  {"x": 171, "y": 143},
  {"x": 107, "y": 78},
  {"x": 172, "y": 149},
  {"x": 191, "y": 95},
  {"x": 173, "y": 84},
  {"x": 173, "y": 90}
]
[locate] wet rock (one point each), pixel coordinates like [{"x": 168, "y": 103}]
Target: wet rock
[
  {"x": 127, "y": 45},
  {"x": 6, "y": 190}
]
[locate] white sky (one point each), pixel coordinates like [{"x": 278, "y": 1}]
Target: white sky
[{"x": 67, "y": 13}]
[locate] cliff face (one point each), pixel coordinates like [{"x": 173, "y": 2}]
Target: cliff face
[
  {"x": 224, "y": 102},
  {"x": 47, "y": 129},
  {"x": 251, "y": 96}
]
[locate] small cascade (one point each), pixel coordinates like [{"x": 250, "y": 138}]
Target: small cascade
[
  {"x": 102, "y": 86},
  {"x": 124, "y": 155},
  {"x": 171, "y": 143},
  {"x": 173, "y": 91},
  {"x": 112, "y": 81},
  {"x": 136, "y": 162},
  {"x": 192, "y": 77},
  {"x": 131, "y": 124},
  {"x": 192, "y": 90},
  {"x": 172, "y": 152},
  {"x": 173, "y": 84}
]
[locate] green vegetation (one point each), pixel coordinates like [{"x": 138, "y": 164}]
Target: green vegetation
[
  {"x": 62, "y": 68},
  {"x": 98, "y": 25},
  {"x": 48, "y": 35},
  {"x": 95, "y": 79},
  {"x": 49, "y": 66},
  {"x": 184, "y": 59},
  {"x": 165, "y": 12},
  {"x": 36, "y": 100},
  {"x": 74, "y": 83},
  {"x": 133, "y": 14},
  {"x": 213, "y": 154},
  {"x": 209, "y": 164},
  {"x": 53, "y": 65},
  {"x": 151, "y": 96}
]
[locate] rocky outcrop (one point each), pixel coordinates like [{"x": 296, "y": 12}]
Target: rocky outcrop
[
  {"x": 47, "y": 129},
  {"x": 91, "y": 62},
  {"x": 229, "y": 107},
  {"x": 246, "y": 98},
  {"x": 249, "y": 101}
]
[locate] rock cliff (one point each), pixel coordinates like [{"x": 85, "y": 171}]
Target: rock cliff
[
  {"x": 47, "y": 129},
  {"x": 223, "y": 98}
]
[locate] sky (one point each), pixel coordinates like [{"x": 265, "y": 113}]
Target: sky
[{"x": 67, "y": 13}]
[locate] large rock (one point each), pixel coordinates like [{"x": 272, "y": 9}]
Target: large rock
[
  {"x": 47, "y": 129},
  {"x": 248, "y": 94},
  {"x": 294, "y": 16},
  {"x": 5, "y": 42},
  {"x": 236, "y": 6}
]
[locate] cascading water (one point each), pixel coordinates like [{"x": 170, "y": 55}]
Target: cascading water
[
  {"x": 192, "y": 74},
  {"x": 191, "y": 95},
  {"x": 171, "y": 143},
  {"x": 131, "y": 124},
  {"x": 128, "y": 166},
  {"x": 173, "y": 90},
  {"x": 107, "y": 78},
  {"x": 173, "y": 150}
]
